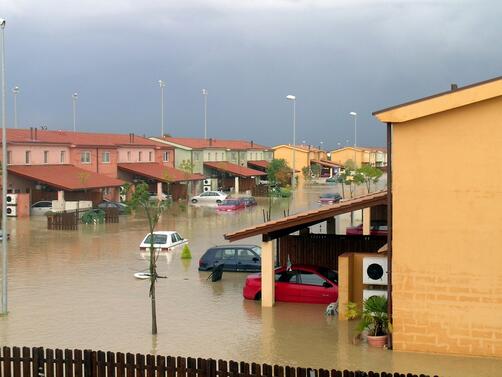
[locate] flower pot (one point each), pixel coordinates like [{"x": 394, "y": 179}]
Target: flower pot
[{"x": 377, "y": 341}]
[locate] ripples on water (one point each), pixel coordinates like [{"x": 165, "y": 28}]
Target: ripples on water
[{"x": 76, "y": 289}]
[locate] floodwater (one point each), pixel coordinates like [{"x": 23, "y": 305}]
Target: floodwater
[{"x": 75, "y": 289}]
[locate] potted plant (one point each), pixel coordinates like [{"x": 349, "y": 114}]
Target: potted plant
[{"x": 375, "y": 321}]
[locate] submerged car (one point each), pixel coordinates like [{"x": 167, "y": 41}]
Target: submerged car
[
  {"x": 209, "y": 197},
  {"x": 249, "y": 201},
  {"x": 121, "y": 207},
  {"x": 376, "y": 229},
  {"x": 164, "y": 240},
  {"x": 330, "y": 198},
  {"x": 231, "y": 205},
  {"x": 233, "y": 257},
  {"x": 41, "y": 208},
  {"x": 299, "y": 283}
]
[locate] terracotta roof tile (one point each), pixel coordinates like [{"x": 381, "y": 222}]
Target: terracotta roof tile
[
  {"x": 215, "y": 143},
  {"x": 160, "y": 172},
  {"x": 65, "y": 177}
]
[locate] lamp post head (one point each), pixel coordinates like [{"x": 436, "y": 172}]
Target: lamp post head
[
  {"x": 204, "y": 92},
  {"x": 15, "y": 90},
  {"x": 162, "y": 83},
  {"x": 75, "y": 96},
  {"x": 291, "y": 97},
  {"x": 353, "y": 113},
  {"x": 2, "y": 23}
]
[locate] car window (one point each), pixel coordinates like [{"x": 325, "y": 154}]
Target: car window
[
  {"x": 173, "y": 238},
  {"x": 329, "y": 274},
  {"x": 218, "y": 254},
  {"x": 178, "y": 237},
  {"x": 157, "y": 239},
  {"x": 228, "y": 254},
  {"x": 286, "y": 277},
  {"x": 246, "y": 255},
  {"x": 309, "y": 278},
  {"x": 214, "y": 194},
  {"x": 257, "y": 250},
  {"x": 204, "y": 194},
  {"x": 42, "y": 205}
]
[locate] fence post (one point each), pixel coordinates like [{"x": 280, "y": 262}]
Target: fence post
[{"x": 38, "y": 362}]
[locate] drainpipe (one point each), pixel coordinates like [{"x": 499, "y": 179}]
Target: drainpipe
[
  {"x": 97, "y": 160},
  {"x": 389, "y": 228}
]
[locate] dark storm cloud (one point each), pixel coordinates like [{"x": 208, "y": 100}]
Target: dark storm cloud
[{"x": 336, "y": 57}]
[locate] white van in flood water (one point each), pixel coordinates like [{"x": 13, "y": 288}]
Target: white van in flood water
[{"x": 163, "y": 240}]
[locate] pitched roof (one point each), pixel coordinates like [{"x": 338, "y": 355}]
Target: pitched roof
[
  {"x": 263, "y": 164},
  {"x": 371, "y": 149},
  {"x": 299, "y": 147},
  {"x": 234, "y": 169},
  {"x": 159, "y": 172},
  {"x": 273, "y": 229},
  {"x": 443, "y": 101},
  {"x": 65, "y": 177},
  {"x": 79, "y": 138},
  {"x": 327, "y": 163},
  {"x": 195, "y": 143}
]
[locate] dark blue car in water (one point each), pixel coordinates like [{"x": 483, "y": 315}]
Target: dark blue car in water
[{"x": 233, "y": 257}]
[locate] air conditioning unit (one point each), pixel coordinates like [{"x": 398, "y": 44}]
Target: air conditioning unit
[
  {"x": 375, "y": 270},
  {"x": 11, "y": 199},
  {"x": 367, "y": 293},
  {"x": 11, "y": 211},
  {"x": 207, "y": 188},
  {"x": 207, "y": 182}
]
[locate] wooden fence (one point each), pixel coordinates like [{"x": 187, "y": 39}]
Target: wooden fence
[
  {"x": 70, "y": 220},
  {"x": 324, "y": 249},
  {"x": 39, "y": 362}
]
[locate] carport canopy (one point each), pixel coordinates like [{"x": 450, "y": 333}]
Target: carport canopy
[
  {"x": 64, "y": 177},
  {"x": 328, "y": 164},
  {"x": 234, "y": 169},
  {"x": 277, "y": 228},
  {"x": 159, "y": 172}
]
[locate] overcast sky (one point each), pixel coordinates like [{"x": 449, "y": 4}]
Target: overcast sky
[{"x": 335, "y": 56}]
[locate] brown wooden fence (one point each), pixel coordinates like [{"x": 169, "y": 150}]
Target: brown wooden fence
[
  {"x": 70, "y": 220},
  {"x": 324, "y": 249},
  {"x": 39, "y": 362}
]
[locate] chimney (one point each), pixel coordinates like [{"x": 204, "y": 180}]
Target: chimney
[
  {"x": 210, "y": 141},
  {"x": 252, "y": 143},
  {"x": 35, "y": 129},
  {"x": 453, "y": 87},
  {"x": 31, "y": 133},
  {"x": 132, "y": 137}
]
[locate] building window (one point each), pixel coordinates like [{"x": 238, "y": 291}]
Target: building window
[
  {"x": 196, "y": 156},
  {"x": 9, "y": 157},
  {"x": 165, "y": 156},
  {"x": 140, "y": 156},
  {"x": 105, "y": 157},
  {"x": 234, "y": 156},
  {"x": 150, "y": 156},
  {"x": 27, "y": 157},
  {"x": 85, "y": 157},
  {"x": 62, "y": 157},
  {"x": 128, "y": 155},
  {"x": 46, "y": 157},
  {"x": 209, "y": 156}
]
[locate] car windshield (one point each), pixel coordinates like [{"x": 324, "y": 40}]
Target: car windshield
[
  {"x": 230, "y": 202},
  {"x": 329, "y": 274},
  {"x": 257, "y": 250},
  {"x": 328, "y": 196},
  {"x": 157, "y": 239}
]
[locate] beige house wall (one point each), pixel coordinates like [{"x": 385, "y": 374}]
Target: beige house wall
[
  {"x": 340, "y": 156},
  {"x": 301, "y": 157},
  {"x": 447, "y": 231}
]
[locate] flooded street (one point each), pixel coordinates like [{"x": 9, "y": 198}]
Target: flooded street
[{"x": 76, "y": 289}]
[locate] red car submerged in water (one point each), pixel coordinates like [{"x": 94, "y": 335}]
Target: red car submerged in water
[
  {"x": 300, "y": 283},
  {"x": 375, "y": 230},
  {"x": 231, "y": 205}
]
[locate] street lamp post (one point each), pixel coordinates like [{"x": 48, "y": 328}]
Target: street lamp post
[
  {"x": 15, "y": 91},
  {"x": 352, "y": 113},
  {"x": 162, "y": 85},
  {"x": 293, "y": 99},
  {"x": 205, "y": 93},
  {"x": 4, "y": 172},
  {"x": 74, "y": 97}
]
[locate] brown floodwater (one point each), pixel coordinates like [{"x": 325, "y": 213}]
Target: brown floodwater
[{"x": 75, "y": 289}]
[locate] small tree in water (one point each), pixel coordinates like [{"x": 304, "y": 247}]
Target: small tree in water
[{"x": 153, "y": 208}]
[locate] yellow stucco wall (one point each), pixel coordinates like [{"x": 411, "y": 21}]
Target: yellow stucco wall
[
  {"x": 340, "y": 156},
  {"x": 447, "y": 232},
  {"x": 286, "y": 153}
]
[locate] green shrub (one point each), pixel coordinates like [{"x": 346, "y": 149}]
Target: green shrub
[
  {"x": 93, "y": 216},
  {"x": 185, "y": 253},
  {"x": 351, "y": 311}
]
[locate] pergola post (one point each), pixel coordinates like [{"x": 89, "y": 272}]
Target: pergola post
[
  {"x": 60, "y": 195},
  {"x": 159, "y": 190},
  {"x": 367, "y": 221},
  {"x": 267, "y": 274},
  {"x": 331, "y": 226},
  {"x": 236, "y": 186}
]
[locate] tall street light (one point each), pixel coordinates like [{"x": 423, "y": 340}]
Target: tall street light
[
  {"x": 205, "y": 93},
  {"x": 162, "y": 85},
  {"x": 355, "y": 133},
  {"x": 293, "y": 99},
  {"x": 74, "y": 97},
  {"x": 15, "y": 91},
  {"x": 4, "y": 172}
]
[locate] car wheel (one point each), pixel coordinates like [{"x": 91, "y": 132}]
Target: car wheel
[
  {"x": 194, "y": 200},
  {"x": 258, "y": 296},
  {"x": 218, "y": 201}
]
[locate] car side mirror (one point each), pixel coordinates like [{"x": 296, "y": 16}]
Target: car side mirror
[
  {"x": 327, "y": 285},
  {"x": 255, "y": 259}
]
